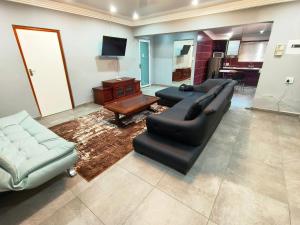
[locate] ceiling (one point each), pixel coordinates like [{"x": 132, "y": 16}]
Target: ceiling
[
  {"x": 149, "y": 11},
  {"x": 251, "y": 32},
  {"x": 145, "y": 8}
]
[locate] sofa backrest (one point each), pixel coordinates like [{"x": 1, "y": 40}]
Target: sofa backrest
[
  {"x": 207, "y": 85},
  {"x": 202, "y": 102}
]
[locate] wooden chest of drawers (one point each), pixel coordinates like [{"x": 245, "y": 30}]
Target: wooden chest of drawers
[{"x": 114, "y": 89}]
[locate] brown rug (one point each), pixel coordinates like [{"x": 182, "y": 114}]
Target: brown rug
[{"x": 100, "y": 143}]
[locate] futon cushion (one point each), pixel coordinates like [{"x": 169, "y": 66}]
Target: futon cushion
[
  {"x": 197, "y": 107},
  {"x": 26, "y": 146}
]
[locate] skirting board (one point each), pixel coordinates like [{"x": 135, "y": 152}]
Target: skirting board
[
  {"x": 161, "y": 85},
  {"x": 276, "y": 112},
  {"x": 76, "y": 106}
]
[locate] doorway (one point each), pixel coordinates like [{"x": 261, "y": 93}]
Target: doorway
[
  {"x": 145, "y": 62},
  {"x": 42, "y": 53},
  {"x": 182, "y": 62}
]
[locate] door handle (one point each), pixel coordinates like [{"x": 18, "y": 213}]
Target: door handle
[{"x": 31, "y": 72}]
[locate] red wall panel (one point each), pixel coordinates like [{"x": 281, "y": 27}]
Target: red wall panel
[{"x": 203, "y": 54}]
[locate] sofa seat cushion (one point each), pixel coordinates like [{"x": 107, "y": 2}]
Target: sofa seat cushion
[
  {"x": 169, "y": 152},
  {"x": 26, "y": 146},
  {"x": 174, "y": 94}
]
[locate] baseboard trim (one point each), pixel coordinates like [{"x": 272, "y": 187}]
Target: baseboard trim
[
  {"x": 76, "y": 106},
  {"x": 273, "y": 111},
  {"x": 161, "y": 85}
]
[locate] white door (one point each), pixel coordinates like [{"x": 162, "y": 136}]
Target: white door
[{"x": 44, "y": 61}]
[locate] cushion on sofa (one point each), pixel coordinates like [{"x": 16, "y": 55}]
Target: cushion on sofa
[{"x": 197, "y": 107}]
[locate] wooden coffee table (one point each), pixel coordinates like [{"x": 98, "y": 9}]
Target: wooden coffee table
[{"x": 130, "y": 106}]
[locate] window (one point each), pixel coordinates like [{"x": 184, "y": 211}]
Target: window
[
  {"x": 252, "y": 51},
  {"x": 233, "y": 48}
]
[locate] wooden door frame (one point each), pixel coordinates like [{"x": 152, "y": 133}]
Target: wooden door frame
[{"x": 15, "y": 27}]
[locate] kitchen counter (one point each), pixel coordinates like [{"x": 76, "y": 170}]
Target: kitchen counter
[
  {"x": 250, "y": 74},
  {"x": 241, "y": 68}
]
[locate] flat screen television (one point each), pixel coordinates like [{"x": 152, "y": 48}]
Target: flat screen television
[
  {"x": 185, "y": 50},
  {"x": 113, "y": 46}
]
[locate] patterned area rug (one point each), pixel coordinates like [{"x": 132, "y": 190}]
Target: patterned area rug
[{"x": 100, "y": 143}]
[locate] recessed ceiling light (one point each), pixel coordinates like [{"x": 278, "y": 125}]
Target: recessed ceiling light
[
  {"x": 262, "y": 31},
  {"x": 135, "y": 16},
  {"x": 199, "y": 37},
  {"x": 195, "y": 2},
  {"x": 229, "y": 35},
  {"x": 112, "y": 9}
]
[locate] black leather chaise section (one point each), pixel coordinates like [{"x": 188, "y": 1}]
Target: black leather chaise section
[
  {"x": 176, "y": 141},
  {"x": 171, "y": 153}
]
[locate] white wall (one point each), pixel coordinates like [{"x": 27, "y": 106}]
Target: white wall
[
  {"x": 163, "y": 55},
  {"x": 286, "y": 27},
  {"x": 81, "y": 37}
]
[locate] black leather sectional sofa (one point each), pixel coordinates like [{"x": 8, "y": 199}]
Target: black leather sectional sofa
[{"x": 177, "y": 136}]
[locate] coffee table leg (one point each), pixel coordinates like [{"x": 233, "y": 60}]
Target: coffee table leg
[
  {"x": 151, "y": 109},
  {"x": 117, "y": 118}
]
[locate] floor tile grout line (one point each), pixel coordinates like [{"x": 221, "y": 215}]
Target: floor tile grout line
[
  {"x": 269, "y": 166},
  {"x": 258, "y": 161},
  {"x": 67, "y": 202},
  {"x": 222, "y": 180},
  {"x": 91, "y": 211},
  {"x": 143, "y": 200},
  {"x": 163, "y": 176},
  {"x": 181, "y": 202},
  {"x": 132, "y": 173},
  {"x": 287, "y": 193},
  {"x": 157, "y": 187},
  {"x": 212, "y": 208},
  {"x": 96, "y": 183}
]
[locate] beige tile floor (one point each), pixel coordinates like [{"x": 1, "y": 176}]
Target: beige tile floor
[{"x": 248, "y": 174}]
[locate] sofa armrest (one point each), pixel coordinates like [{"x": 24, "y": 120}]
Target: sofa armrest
[{"x": 179, "y": 130}]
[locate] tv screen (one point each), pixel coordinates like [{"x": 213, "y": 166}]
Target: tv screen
[
  {"x": 185, "y": 50},
  {"x": 113, "y": 46}
]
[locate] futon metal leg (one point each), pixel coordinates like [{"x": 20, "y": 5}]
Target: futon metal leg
[{"x": 71, "y": 172}]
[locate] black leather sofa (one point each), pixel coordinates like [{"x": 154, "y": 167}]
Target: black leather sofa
[{"x": 177, "y": 136}]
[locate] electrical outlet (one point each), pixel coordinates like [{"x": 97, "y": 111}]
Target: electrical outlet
[{"x": 289, "y": 80}]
